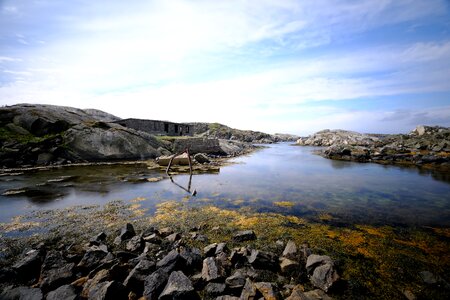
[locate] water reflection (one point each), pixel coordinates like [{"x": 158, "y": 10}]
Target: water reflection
[{"x": 349, "y": 191}]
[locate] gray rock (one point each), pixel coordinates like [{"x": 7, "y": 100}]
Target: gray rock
[
  {"x": 135, "y": 244},
  {"x": 98, "y": 239},
  {"x": 215, "y": 289},
  {"x": 55, "y": 271},
  {"x": 290, "y": 251},
  {"x": 249, "y": 291},
  {"x": 29, "y": 267},
  {"x": 267, "y": 290},
  {"x": 289, "y": 267},
  {"x": 210, "y": 250},
  {"x": 221, "y": 248},
  {"x": 178, "y": 287},
  {"x": 153, "y": 238},
  {"x": 66, "y": 292},
  {"x": 173, "y": 237},
  {"x": 21, "y": 293},
  {"x": 315, "y": 260},
  {"x": 227, "y": 297},
  {"x": 127, "y": 232},
  {"x": 263, "y": 260},
  {"x": 92, "y": 259},
  {"x": 192, "y": 259},
  {"x": 324, "y": 276},
  {"x": 135, "y": 279},
  {"x": 245, "y": 235},
  {"x": 211, "y": 270},
  {"x": 154, "y": 284},
  {"x": 237, "y": 280},
  {"x": 428, "y": 277},
  {"x": 201, "y": 158},
  {"x": 108, "y": 290},
  {"x": 44, "y": 159},
  {"x": 172, "y": 261},
  {"x": 101, "y": 276}
]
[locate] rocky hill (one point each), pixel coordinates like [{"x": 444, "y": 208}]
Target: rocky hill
[
  {"x": 337, "y": 137},
  {"x": 427, "y": 146},
  {"x": 220, "y": 131},
  {"x": 48, "y": 134}
]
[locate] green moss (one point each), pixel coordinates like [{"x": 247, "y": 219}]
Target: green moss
[{"x": 9, "y": 136}]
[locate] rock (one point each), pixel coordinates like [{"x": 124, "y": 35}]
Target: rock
[
  {"x": 166, "y": 231},
  {"x": 29, "y": 267},
  {"x": 245, "y": 235},
  {"x": 289, "y": 267},
  {"x": 237, "y": 280},
  {"x": 109, "y": 141},
  {"x": 101, "y": 276},
  {"x": 215, "y": 289},
  {"x": 221, "y": 248},
  {"x": 44, "y": 159},
  {"x": 22, "y": 292},
  {"x": 210, "y": 250},
  {"x": 173, "y": 237},
  {"x": 91, "y": 259},
  {"x": 428, "y": 277},
  {"x": 211, "y": 270},
  {"x": 192, "y": 259},
  {"x": 263, "y": 260},
  {"x": 409, "y": 295},
  {"x": 98, "y": 239},
  {"x": 227, "y": 297},
  {"x": 108, "y": 290},
  {"x": 267, "y": 290},
  {"x": 154, "y": 284},
  {"x": 201, "y": 158},
  {"x": 290, "y": 251},
  {"x": 178, "y": 287},
  {"x": 127, "y": 232},
  {"x": 249, "y": 291},
  {"x": 153, "y": 238},
  {"x": 55, "y": 271},
  {"x": 135, "y": 244},
  {"x": 135, "y": 279},
  {"x": 172, "y": 261},
  {"x": 66, "y": 292},
  {"x": 317, "y": 295},
  {"x": 323, "y": 273},
  {"x": 179, "y": 160}
]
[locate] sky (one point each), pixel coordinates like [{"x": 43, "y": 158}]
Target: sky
[{"x": 374, "y": 66}]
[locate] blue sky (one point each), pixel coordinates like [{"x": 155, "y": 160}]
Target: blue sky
[{"x": 269, "y": 65}]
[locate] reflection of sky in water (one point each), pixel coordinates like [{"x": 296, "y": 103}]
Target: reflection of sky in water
[{"x": 351, "y": 191}]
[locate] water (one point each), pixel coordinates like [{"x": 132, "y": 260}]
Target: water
[{"x": 303, "y": 183}]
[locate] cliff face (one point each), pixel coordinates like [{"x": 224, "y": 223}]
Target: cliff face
[{"x": 47, "y": 134}]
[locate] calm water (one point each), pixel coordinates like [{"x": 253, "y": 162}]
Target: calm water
[{"x": 350, "y": 192}]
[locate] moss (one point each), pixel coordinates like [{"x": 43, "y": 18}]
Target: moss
[{"x": 9, "y": 136}]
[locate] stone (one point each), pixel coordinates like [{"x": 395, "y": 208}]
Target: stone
[
  {"x": 29, "y": 267},
  {"x": 210, "y": 250},
  {"x": 215, "y": 289},
  {"x": 179, "y": 160},
  {"x": 108, "y": 290},
  {"x": 211, "y": 270},
  {"x": 166, "y": 231},
  {"x": 127, "y": 232},
  {"x": 201, "y": 158},
  {"x": 192, "y": 258},
  {"x": 221, "y": 248},
  {"x": 44, "y": 159},
  {"x": 315, "y": 260},
  {"x": 227, "y": 297},
  {"x": 249, "y": 291},
  {"x": 324, "y": 276},
  {"x": 66, "y": 292},
  {"x": 100, "y": 276},
  {"x": 178, "y": 287},
  {"x": 237, "y": 280},
  {"x": 245, "y": 235},
  {"x": 92, "y": 259},
  {"x": 263, "y": 260},
  {"x": 290, "y": 251},
  {"x": 21, "y": 292},
  {"x": 428, "y": 277},
  {"x": 55, "y": 271},
  {"x": 289, "y": 267},
  {"x": 317, "y": 295},
  {"x": 154, "y": 284},
  {"x": 153, "y": 238},
  {"x": 172, "y": 261},
  {"x": 135, "y": 244},
  {"x": 98, "y": 239},
  {"x": 136, "y": 277},
  {"x": 267, "y": 290},
  {"x": 173, "y": 237}
]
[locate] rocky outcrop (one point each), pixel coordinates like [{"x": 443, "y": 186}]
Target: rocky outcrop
[
  {"x": 424, "y": 146},
  {"x": 167, "y": 269},
  {"x": 337, "y": 137}
]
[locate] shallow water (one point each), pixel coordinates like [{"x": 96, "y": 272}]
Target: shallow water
[{"x": 280, "y": 178}]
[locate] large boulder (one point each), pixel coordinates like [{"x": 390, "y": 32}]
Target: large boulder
[{"x": 98, "y": 141}]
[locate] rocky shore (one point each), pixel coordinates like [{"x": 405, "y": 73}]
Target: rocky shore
[
  {"x": 44, "y": 135},
  {"x": 159, "y": 264},
  {"x": 425, "y": 146}
]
